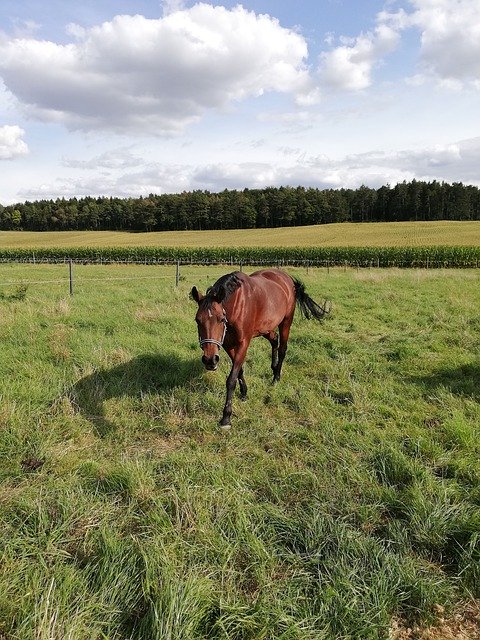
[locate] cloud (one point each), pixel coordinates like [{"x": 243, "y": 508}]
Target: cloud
[
  {"x": 121, "y": 158},
  {"x": 450, "y": 37},
  {"x": 11, "y": 143},
  {"x": 455, "y": 162},
  {"x": 134, "y": 74},
  {"x": 350, "y": 65},
  {"x": 171, "y": 6},
  {"x": 449, "y": 46}
]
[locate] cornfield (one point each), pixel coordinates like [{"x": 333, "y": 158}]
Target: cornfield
[{"x": 416, "y": 257}]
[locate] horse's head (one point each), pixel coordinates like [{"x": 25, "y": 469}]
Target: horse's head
[{"x": 212, "y": 327}]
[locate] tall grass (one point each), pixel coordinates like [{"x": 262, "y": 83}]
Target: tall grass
[{"x": 345, "y": 496}]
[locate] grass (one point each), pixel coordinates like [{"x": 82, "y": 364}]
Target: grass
[
  {"x": 379, "y": 234},
  {"x": 343, "y": 498}
]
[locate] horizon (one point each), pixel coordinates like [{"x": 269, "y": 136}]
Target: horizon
[{"x": 206, "y": 191}]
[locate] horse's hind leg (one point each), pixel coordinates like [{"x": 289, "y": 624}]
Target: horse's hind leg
[
  {"x": 272, "y": 337},
  {"x": 284, "y": 331},
  {"x": 242, "y": 384}
]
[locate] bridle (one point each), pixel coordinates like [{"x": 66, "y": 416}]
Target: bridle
[{"x": 219, "y": 343}]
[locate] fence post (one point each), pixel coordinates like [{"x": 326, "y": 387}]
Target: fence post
[
  {"x": 177, "y": 273},
  {"x": 70, "y": 272}
]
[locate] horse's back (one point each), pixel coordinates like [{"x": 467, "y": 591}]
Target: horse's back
[
  {"x": 277, "y": 277},
  {"x": 272, "y": 299}
]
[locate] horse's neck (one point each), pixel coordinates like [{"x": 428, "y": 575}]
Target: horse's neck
[{"x": 239, "y": 303}]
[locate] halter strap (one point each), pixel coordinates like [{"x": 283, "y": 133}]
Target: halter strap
[{"x": 219, "y": 343}]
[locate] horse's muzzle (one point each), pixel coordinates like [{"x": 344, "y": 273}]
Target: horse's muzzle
[{"x": 211, "y": 364}]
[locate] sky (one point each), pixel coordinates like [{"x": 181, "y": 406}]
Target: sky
[{"x": 131, "y": 97}]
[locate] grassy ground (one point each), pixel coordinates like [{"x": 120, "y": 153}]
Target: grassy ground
[
  {"x": 381, "y": 234},
  {"x": 344, "y": 498}
]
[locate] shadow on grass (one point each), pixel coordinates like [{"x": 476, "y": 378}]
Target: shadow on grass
[
  {"x": 145, "y": 374},
  {"x": 462, "y": 381}
]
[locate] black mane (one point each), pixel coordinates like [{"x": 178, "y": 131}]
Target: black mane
[{"x": 222, "y": 289}]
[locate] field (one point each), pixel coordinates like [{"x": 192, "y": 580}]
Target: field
[
  {"x": 380, "y": 234},
  {"x": 344, "y": 503}
]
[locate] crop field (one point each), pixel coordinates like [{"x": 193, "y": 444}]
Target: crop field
[
  {"x": 378, "y": 234},
  {"x": 344, "y": 503}
]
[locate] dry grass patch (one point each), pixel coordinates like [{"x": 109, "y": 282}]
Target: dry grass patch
[
  {"x": 144, "y": 314},
  {"x": 59, "y": 339},
  {"x": 462, "y": 624},
  {"x": 376, "y": 275}
]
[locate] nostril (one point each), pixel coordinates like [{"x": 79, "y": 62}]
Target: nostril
[
  {"x": 216, "y": 358},
  {"x": 204, "y": 360}
]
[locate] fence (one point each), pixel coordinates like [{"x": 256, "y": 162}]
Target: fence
[{"x": 70, "y": 279}]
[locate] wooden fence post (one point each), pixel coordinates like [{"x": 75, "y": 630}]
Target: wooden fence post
[{"x": 70, "y": 272}]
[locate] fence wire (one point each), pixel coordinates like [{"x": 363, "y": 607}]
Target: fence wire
[{"x": 72, "y": 277}]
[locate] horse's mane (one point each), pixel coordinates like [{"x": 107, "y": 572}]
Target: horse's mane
[{"x": 222, "y": 289}]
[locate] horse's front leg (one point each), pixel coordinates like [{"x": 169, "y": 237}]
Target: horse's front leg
[
  {"x": 236, "y": 373},
  {"x": 241, "y": 379}
]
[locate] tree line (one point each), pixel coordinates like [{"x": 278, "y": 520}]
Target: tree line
[{"x": 248, "y": 208}]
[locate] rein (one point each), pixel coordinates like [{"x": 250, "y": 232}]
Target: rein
[{"x": 219, "y": 343}]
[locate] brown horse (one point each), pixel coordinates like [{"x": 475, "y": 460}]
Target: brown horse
[{"x": 238, "y": 308}]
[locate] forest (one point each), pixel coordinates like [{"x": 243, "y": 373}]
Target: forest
[{"x": 248, "y": 208}]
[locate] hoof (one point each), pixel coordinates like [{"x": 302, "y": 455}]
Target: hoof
[
  {"x": 225, "y": 427},
  {"x": 243, "y": 398}
]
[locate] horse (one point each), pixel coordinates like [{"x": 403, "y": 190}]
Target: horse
[{"x": 239, "y": 307}]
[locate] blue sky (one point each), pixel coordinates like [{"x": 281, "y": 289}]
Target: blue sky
[{"x": 127, "y": 98}]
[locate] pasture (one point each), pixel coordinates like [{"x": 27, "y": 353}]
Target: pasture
[
  {"x": 343, "y": 503},
  {"x": 375, "y": 234}
]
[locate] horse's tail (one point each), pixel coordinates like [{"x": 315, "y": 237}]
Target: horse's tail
[{"x": 308, "y": 307}]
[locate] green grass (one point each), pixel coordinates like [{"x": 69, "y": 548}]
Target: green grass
[
  {"x": 344, "y": 496},
  {"x": 378, "y": 234}
]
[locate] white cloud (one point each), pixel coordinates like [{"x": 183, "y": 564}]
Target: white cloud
[
  {"x": 350, "y": 65},
  {"x": 122, "y": 158},
  {"x": 450, "y": 37},
  {"x": 171, "y": 6},
  {"x": 11, "y": 143},
  {"x": 134, "y": 74},
  {"x": 449, "y": 46},
  {"x": 455, "y": 162}
]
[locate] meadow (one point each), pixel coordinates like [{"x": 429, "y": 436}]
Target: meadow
[
  {"x": 344, "y": 503},
  {"x": 377, "y": 234}
]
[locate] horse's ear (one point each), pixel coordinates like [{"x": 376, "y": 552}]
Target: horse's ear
[{"x": 196, "y": 295}]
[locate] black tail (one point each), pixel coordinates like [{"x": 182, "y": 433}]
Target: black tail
[{"x": 308, "y": 307}]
